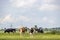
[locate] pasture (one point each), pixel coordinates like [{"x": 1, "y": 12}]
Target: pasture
[{"x": 26, "y": 36}]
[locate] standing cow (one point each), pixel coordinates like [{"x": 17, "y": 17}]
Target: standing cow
[
  {"x": 9, "y": 30},
  {"x": 22, "y": 30},
  {"x": 31, "y": 31},
  {"x": 39, "y": 30}
]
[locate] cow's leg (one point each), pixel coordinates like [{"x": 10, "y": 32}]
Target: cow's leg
[
  {"x": 4, "y": 31},
  {"x": 8, "y": 32},
  {"x": 13, "y": 31}
]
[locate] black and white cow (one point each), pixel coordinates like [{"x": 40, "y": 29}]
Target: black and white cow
[{"x": 39, "y": 30}]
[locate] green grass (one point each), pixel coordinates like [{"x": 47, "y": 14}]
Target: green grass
[{"x": 26, "y": 36}]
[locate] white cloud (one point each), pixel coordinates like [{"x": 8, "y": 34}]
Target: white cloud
[
  {"x": 48, "y": 20},
  {"x": 7, "y": 18},
  {"x": 49, "y": 7},
  {"x": 51, "y": 22},
  {"x": 0, "y": 20},
  {"x": 24, "y": 18},
  {"x": 45, "y": 19},
  {"x": 22, "y": 3},
  {"x": 48, "y": 1}
]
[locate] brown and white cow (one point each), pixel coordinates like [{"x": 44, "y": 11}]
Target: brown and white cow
[{"x": 22, "y": 30}]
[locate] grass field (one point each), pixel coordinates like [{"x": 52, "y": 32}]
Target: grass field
[{"x": 38, "y": 36}]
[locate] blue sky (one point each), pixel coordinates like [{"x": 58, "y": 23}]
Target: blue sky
[{"x": 44, "y": 13}]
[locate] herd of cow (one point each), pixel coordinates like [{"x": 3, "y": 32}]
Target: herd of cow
[{"x": 24, "y": 30}]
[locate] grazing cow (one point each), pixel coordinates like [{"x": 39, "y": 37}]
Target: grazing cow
[
  {"x": 39, "y": 30},
  {"x": 10, "y": 30},
  {"x": 22, "y": 30},
  {"x": 31, "y": 31}
]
